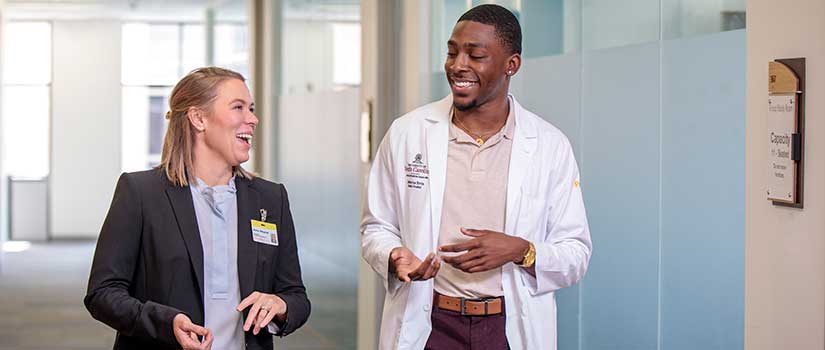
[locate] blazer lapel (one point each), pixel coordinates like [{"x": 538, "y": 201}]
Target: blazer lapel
[
  {"x": 181, "y": 199},
  {"x": 248, "y": 209},
  {"x": 521, "y": 155}
]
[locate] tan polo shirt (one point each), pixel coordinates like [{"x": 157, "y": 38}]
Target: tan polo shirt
[{"x": 475, "y": 197}]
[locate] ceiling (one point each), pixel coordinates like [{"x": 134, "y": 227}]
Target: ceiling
[
  {"x": 346, "y": 10},
  {"x": 173, "y": 10}
]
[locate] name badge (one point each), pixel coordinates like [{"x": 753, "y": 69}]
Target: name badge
[{"x": 264, "y": 232}]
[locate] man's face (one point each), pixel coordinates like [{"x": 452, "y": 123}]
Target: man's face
[{"x": 476, "y": 66}]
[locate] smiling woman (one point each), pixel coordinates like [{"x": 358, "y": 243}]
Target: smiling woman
[
  {"x": 222, "y": 95},
  {"x": 189, "y": 255}
]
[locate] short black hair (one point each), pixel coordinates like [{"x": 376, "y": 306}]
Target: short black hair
[{"x": 505, "y": 22}]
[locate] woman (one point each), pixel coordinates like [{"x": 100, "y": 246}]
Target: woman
[{"x": 198, "y": 253}]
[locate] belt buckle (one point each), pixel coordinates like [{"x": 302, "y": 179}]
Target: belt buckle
[{"x": 486, "y": 301}]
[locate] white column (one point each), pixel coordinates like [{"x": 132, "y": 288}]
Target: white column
[
  {"x": 415, "y": 55},
  {"x": 209, "y": 27},
  {"x": 86, "y": 125},
  {"x": 380, "y": 89},
  {"x": 3, "y": 184},
  {"x": 266, "y": 66}
]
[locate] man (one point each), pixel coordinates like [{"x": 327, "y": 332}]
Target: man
[{"x": 488, "y": 194}]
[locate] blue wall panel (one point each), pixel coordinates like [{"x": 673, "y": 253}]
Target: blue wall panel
[
  {"x": 543, "y": 27},
  {"x": 703, "y": 169},
  {"x": 551, "y": 88},
  {"x": 620, "y": 180}
]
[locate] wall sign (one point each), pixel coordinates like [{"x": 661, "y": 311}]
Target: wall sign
[{"x": 785, "y": 133}]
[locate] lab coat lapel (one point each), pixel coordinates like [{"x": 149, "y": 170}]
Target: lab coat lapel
[
  {"x": 521, "y": 155},
  {"x": 436, "y": 136}
]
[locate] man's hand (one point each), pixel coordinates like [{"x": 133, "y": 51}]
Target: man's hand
[
  {"x": 407, "y": 267},
  {"x": 186, "y": 333},
  {"x": 265, "y": 307},
  {"x": 486, "y": 251}
]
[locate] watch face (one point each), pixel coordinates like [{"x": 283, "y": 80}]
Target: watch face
[{"x": 529, "y": 257}]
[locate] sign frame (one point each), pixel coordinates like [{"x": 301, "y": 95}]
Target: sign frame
[{"x": 787, "y": 76}]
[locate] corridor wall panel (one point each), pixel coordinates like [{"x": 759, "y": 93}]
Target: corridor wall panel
[
  {"x": 551, "y": 88},
  {"x": 703, "y": 167},
  {"x": 620, "y": 181},
  {"x": 319, "y": 164}
]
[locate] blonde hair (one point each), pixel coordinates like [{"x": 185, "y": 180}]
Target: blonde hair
[{"x": 197, "y": 89}]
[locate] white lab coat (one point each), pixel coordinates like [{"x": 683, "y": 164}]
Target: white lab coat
[{"x": 405, "y": 193}]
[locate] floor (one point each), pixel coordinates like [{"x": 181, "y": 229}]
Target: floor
[{"x": 42, "y": 289}]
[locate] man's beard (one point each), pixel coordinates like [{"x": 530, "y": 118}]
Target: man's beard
[{"x": 466, "y": 107}]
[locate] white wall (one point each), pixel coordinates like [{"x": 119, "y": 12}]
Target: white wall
[
  {"x": 86, "y": 109},
  {"x": 3, "y": 188},
  {"x": 785, "y": 248},
  {"x": 415, "y": 54}
]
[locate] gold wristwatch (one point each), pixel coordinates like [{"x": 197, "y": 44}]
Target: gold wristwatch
[{"x": 529, "y": 256}]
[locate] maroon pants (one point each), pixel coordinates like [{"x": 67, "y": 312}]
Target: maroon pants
[{"x": 452, "y": 331}]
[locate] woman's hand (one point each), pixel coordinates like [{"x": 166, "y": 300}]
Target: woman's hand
[
  {"x": 186, "y": 333},
  {"x": 265, "y": 307}
]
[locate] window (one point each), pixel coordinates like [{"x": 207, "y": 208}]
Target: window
[
  {"x": 26, "y": 102},
  {"x": 232, "y": 47},
  {"x": 346, "y": 53},
  {"x": 154, "y": 58},
  {"x": 332, "y": 62},
  {"x": 682, "y": 18}
]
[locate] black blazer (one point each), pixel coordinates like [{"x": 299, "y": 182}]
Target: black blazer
[{"x": 148, "y": 265}]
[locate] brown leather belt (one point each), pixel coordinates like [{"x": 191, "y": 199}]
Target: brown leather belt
[{"x": 470, "y": 307}]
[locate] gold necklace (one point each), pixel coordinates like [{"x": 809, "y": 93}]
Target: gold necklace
[{"x": 479, "y": 137}]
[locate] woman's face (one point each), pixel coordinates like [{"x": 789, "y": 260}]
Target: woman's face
[{"x": 229, "y": 128}]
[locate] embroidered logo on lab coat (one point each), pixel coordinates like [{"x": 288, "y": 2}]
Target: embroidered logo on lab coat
[{"x": 417, "y": 172}]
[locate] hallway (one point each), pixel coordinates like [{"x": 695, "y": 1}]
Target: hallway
[
  {"x": 42, "y": 289},
  {"x": 41, "y": 299}
]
